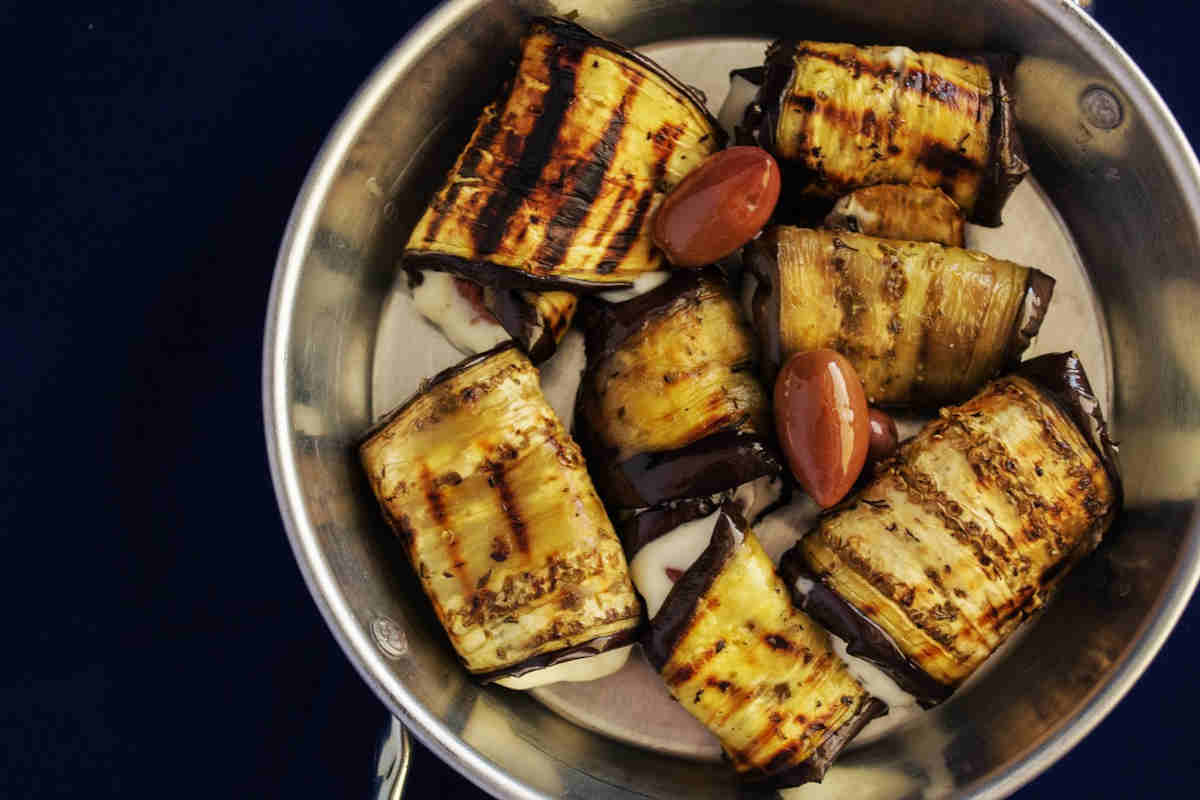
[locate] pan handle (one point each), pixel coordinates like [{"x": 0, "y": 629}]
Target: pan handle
[{"x": 392, "y": 759}]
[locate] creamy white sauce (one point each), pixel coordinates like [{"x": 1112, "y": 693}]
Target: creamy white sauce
[
  {"x": 561, "y": 375},
  {"x": 647, "y": 281},
  {"x": 741, "y": 94},
  {"x": 581, "y": 669},
  {"x": 437, "y": 299},
  {"x": 785, "y": 526},
  {"x": 756, "y": 495},
  {"x": 897, "y": 57},
  {"x": 678, "y": 549}
]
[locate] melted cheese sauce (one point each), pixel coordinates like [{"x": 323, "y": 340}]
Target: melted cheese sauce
[
  {"x": 562, "y": 374},
  {"x": 438, "y": 300},
  {"x": 741, "y": 94},
  {"x": 643, "y": 283},
  {"x": 757, "y": 495},
  {"x": 849, "y": 207},
  {"x": 581, "y": 669},
  {"x": 678, "y": 550}
]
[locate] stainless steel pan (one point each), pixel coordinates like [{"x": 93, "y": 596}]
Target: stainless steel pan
[{"x": 1111, "y": 161}]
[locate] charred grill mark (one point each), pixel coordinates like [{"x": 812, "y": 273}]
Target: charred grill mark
[
  {"x": 588, "y": 175},
  {"x": 923, "y": 493},
  {"x": 437, "y": 508},
  {"x": 611, "y": 217},
  {"x": 517, "y": 180},
  {"x": 778, "y": 642},
  {"x": 894, "y": 590},
  {"x": 467, "y": 169},
  {"x": 508, "y": 504},
  {"x": 664, "y": 145},
  {"x": 923, "y": 81},
  {"x": 948, "y": 161}
]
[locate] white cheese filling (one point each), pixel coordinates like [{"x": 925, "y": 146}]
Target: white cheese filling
[
  {"x": 849, "y": 207},
  {"x": 561, "y": 375},
  {"x": 646, "y": 282},
  {"x": 676, "y": 550},
  {"x": 438, "y": 300},
  {"x": 581, "y": 669},
  {"x": 741, "y": 94}
]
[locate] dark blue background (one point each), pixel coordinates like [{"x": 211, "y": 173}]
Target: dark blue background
[{"x": 158, "y": 637}]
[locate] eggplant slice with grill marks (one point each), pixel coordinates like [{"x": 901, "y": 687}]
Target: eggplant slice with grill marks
[
  {"x": 895, "y": 211},
  {"x": 847, "y": 117},
  {"x": 965, "y": 532},
  {"x": 763, "y": 676},
  {"x": 558, "y": 183},
  {"x": 493, "y": 504},
  {"x": 671, "y": 406},
  {"x": 922, "y": 324}
]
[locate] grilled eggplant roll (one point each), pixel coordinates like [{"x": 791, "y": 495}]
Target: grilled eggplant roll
[
  {"x": 558, "y": 183},
  {"x": 847, "y": 117},
  {"x": 476, "y": 318},
  {"x": 893, "y": 211},
  {"x": 964, "y": 533},
  {"x": 670, "y": 405},
  {"x": 491, "y": 500},
  {"x": 921, "y": 323},
  {"x": 760, "y": 674}
]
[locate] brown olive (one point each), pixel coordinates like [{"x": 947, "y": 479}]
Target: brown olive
[
  {"x": 821, "y": 419},
  {"x": 718, "y": 207},
  {"x": 883, "y": 436}
]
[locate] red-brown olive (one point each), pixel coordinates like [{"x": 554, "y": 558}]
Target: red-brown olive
[
  {"x": 821, "y": 419},
  {"x": 883, "y": 438},
  {"x": 718, "y": 207}
]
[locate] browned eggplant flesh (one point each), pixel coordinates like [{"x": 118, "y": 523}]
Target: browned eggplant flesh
[
  {"x": 492, "y": 502},
  {"x": 763, "y": 676},
  {"x": 922, "y": 324}
]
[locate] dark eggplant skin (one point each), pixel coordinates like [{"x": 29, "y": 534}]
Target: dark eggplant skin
[
  {"x": 593, "y": 647},
  {"x": 1058, "y": 377},
  {"x": 1007, "y": 164},
  {"x": 863, "y": 637},
  {"x": 674, "y": 621},
  {"x": 705, "y": 467},
  {"x": 537, "y": 332}
]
